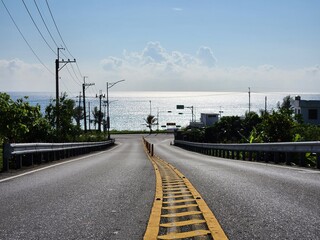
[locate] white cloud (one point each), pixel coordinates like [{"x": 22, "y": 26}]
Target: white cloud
[
  {"x": 17, "y": 75},
  {"x": 177, "y": 9},
  {"x": 158, "y": 69},
  {"x": 205, "y": 55}
]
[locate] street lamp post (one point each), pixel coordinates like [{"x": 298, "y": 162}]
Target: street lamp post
[
  {"x": 158, "y": 115},
  {"x": 110, "y": 85}
]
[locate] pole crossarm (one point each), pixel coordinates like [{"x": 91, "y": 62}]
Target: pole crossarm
[{"x": 65, "y": 63}]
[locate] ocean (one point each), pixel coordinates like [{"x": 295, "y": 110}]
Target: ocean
[{"x": 129, "y": 109}]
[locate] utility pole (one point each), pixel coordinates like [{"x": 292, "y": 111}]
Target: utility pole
[
  {"x": 150, "y": 107},
  {"x": 100, "y": 96},
  {"x": 57, "y": 84},
  {"x": 249, "y": 100},
  {"x": 89, "y": 117},
  {"x": 84, "y": 85},
  {"x": 79, "y": 110},
  {"x": 265, "y": 104}
]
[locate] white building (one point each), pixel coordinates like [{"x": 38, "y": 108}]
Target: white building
[
  {"x": 209, "y": 119},
  {"x": 309, "y": 110}
]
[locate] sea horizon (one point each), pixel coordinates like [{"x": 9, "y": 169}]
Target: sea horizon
[{"x": 128, "y": 109}]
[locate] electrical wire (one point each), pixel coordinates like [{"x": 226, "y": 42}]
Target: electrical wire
[
  {"x": 44, "y": 22},
  {"x": 34, "y": 53},
  {"x": 38, "y": 28},
  {"x": 79, "y": 84},
  {"x": 65, "y": 45}
]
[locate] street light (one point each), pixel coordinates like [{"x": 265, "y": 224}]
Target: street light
[
  {"x": 110, "y": 85},
  {"x": 168, "y": 111}
]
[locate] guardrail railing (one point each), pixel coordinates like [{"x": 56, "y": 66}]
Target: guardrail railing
[
  {"x": 288, "y": 152},
  {"x": 19, "y": 154}
]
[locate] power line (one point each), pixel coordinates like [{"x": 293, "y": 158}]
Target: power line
[
  {"x": 65, "y": 45},
  {"x": 79, "y": 84},
  {"x": 14, "y": 22},
  {"x": 55, "y": 24},
  {"x": 37, "y": 27},
  {"x": 75, "y": 74},
  {"x": 44, "y": 22}
]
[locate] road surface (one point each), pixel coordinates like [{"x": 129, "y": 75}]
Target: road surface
[
  {"x": 109, "y": 195},
  {"x": 252, "y": 200},
  {"x": 106, "y": 195}
]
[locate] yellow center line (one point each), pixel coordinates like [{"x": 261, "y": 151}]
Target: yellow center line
[{"x": 178, "y": 210}]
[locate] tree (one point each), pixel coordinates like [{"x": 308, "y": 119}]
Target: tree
[
  {"x": 67, "y": 131},
  {"x": 249, "y": 124},
  {"x": 21, "y": 122},
  {"x": 97, "y": 116},
  {"x": 278, "y": 126},
  {"x": 150, "y": 121},
  {"x": 78, "y": 114},
  {"x": 226, "y": 130}
]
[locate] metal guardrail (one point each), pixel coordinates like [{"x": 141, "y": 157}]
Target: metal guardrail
[
  {"x": 287, "y": 152},
  {"x": 30, "y": 153}
]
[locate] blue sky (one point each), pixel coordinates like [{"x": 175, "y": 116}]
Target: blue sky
[{"x": 165, "y": 45}]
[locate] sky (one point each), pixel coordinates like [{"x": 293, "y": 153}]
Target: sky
[{"x": 161, "y": 45}]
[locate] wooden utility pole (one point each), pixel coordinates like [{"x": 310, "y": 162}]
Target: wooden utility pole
[
  {"x": 249, "y": 100},
  {"x": 84, "y": 85},
  {"x": 58, "y": 61}
]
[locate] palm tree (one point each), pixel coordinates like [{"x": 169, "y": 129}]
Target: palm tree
[
  {"x": 97, "y": 115},
  {"x": 150, "y": 121}
]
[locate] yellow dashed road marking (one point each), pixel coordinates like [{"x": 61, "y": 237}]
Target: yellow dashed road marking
[{"x": 178, "y": 211}]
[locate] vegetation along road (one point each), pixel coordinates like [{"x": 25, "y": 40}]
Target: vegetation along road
[{"x": 110, "y": 194}]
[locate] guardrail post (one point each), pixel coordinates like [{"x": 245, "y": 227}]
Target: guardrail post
[
  {"x": 18, "y": 161},
  {"x": 302, "y": 160},
  {"x": 318, "y": 160},
  {"x": 276, "y": 157},
  {"x": 6, "y": 156},
  {"x": 288, "y": 158},
  {"x": 237, "y": 154},
  {"x": 152, "y": 150}
]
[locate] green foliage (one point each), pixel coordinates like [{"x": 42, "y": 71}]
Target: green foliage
[
  {"x": 277, "y": 127},
  {"x": 150, "y": 121},
  {"x": 307, "y": 132},
  {"x": 19, "y": 121},
  {"x": 281, "y": 125},
  {"x": 97, "y": 116},
  {"x": 227, "y": 130},
  {"x": 78, "y": 114},
  {"x": 66, "y": 130}
]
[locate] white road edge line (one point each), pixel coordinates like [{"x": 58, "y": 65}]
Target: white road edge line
[{"x": 54, "y": 165}]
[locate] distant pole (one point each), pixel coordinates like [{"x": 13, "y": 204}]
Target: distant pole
[
  {"x": 265, "y": 104},
  {"x": 84, "y": 85},
  {"x": 249, "y": 100},
  {"x": 150, "y": 107},
  {"x": 89, "y": 117},
  {"x": 100, "y": 113},
  {"x": 220, "y": 112},
  {"x": 79, "y": 110}
]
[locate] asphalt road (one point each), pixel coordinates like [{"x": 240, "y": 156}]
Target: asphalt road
[
  {"x": 109, "y": 195},
  {"x": 252, "y": 200}
]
